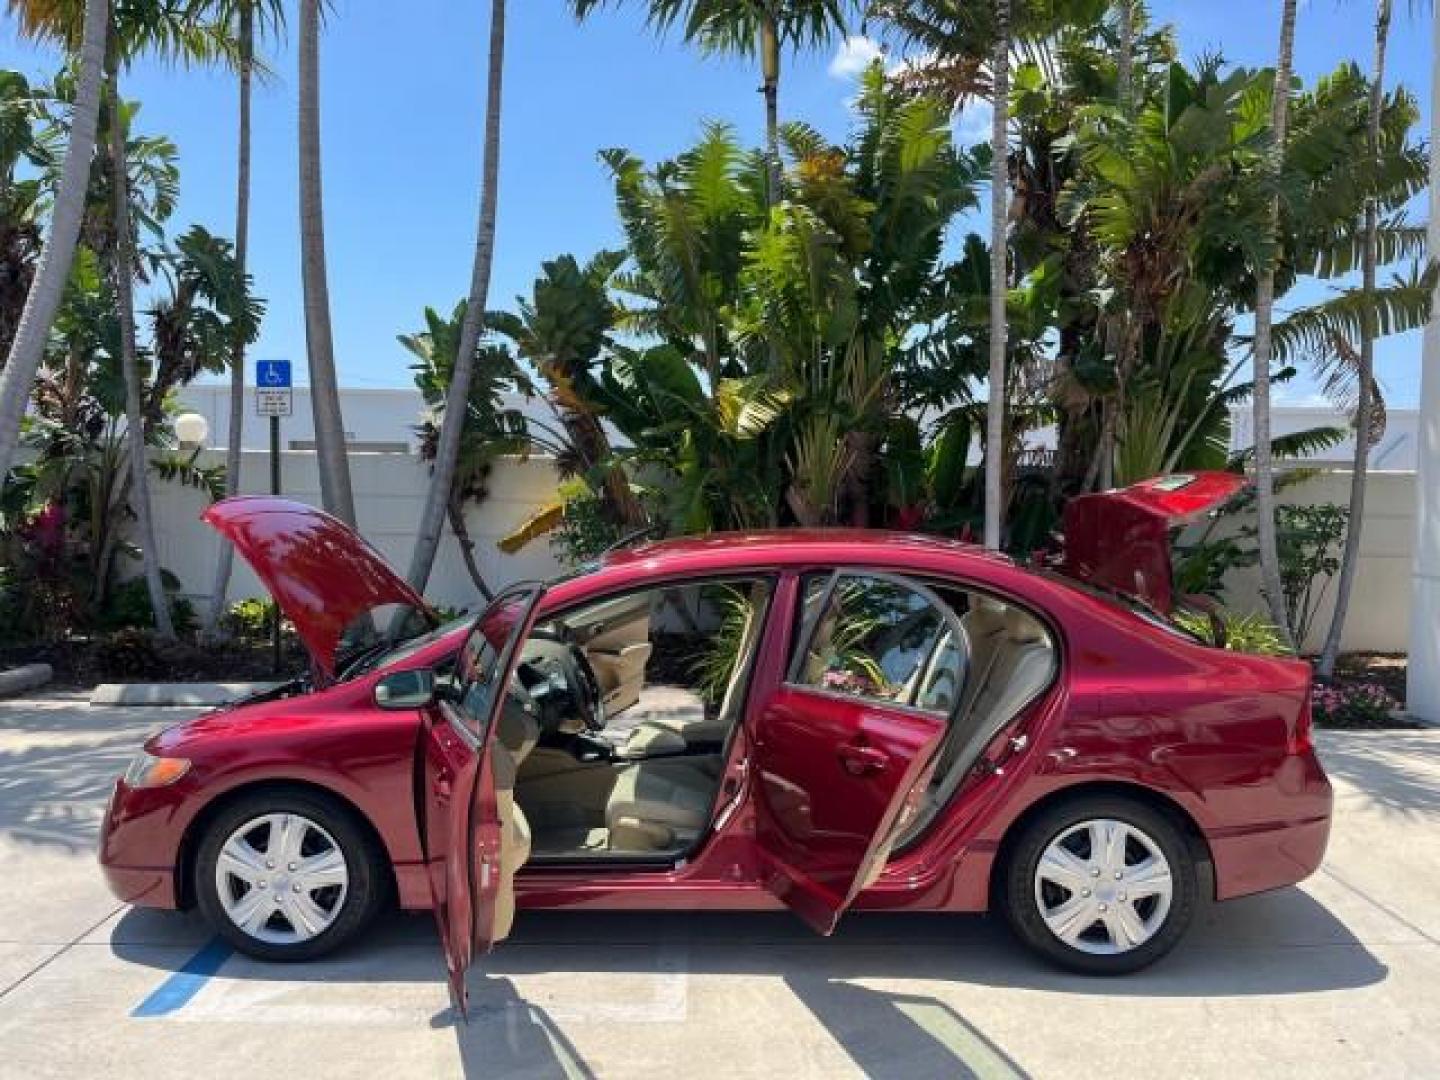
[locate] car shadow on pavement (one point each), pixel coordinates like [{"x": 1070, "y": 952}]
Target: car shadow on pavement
[
  {"x": 505, "y": 1035},
  {"x": 1283, "y": 943}
]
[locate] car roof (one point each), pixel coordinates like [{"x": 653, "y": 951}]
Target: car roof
[{"x": 789, "y": 547}]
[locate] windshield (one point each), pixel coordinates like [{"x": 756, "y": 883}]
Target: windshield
[{"x": 386, "y": 654}]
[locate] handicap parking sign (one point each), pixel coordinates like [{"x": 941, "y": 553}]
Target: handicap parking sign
[
  {"x": 273, "y": 393},
  {"x": 273, "y": 374}
]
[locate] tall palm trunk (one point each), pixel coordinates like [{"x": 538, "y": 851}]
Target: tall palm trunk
[
  {"x": 1270, "y": 584},
  {"x": 1350, "y": 560},
  {"x": 334, "y": 466},
  {"x": 770, "y": 87},
  {"x": 237, "y": 355},
  {"x": 1125, "y": 62},
  {"x": 48, "y": 287},
  {"x": 999, "y": 279},
  {"x": 467, "y": 550},
  {"x": 457, "y": 399},
  {"x": 129, "y": 355}
]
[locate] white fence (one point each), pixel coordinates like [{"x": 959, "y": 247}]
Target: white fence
[{"x": 390, "y": 491}]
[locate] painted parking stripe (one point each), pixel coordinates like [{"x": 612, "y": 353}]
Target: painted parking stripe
[{"x": 176, "y": 991}]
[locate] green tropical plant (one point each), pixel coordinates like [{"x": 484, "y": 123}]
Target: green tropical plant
[
  {"x": 1239, "y": 631},
  {"x": 84, "y": 38}
]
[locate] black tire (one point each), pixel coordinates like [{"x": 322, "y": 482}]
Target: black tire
[
  {"x": 364, "y": 891},
  {"x": 1017, "y": 884}
]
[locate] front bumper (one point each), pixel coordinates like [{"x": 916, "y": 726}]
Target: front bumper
[{"x": 140, "y": 842}]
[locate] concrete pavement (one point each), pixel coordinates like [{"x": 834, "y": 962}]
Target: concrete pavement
[{"x": 1335, "y": 978}]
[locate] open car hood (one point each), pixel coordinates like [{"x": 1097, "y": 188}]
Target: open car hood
[
  {"x": 1120, "y": 540},
  {"x": 322, "y": 574}
]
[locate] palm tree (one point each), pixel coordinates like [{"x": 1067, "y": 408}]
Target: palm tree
[
  {"x": 1125, "y": 60},
  {"x": 131, "y": 27},
  {"x": 335, "y": 490},
  {"x": 122, "y": 269},
  {"x": 43, "y": 300},
  {"x": 999, "y": 215},
  {"x": 447, "y": 451},
  {"x": 1350, "y": 559},
  {"x": 242, "y": 13},
  {"x": 490, "y": 429},
  {"x": 1270, "y": 584},
  {"x": 750, "y": 28}
]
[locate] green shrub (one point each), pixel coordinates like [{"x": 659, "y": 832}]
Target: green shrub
[
  {"x": 250, "y": 620},
  {"x": 129, "y": 606},
  {"x": 132, "y": 653},
  {"x": 1243, "y": 633}
]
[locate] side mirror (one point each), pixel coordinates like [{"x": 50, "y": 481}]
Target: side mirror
[{"x": 404, "y": 690}]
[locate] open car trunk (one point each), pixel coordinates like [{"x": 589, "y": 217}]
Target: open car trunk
[{"x": 1120, "y": 540}]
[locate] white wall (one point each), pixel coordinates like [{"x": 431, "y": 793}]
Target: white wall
[
  {"x": 1379, "y": 615},
  {"x": 389, "y": 495}
]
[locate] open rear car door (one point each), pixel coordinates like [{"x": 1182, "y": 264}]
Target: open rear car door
[
  {"x": 837, "y": 778},
  {"x": 462, "y": 813}
]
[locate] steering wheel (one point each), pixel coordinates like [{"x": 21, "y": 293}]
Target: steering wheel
[
  {"x": 594, "y": 714},
  {"x": 520, "y": 695}
]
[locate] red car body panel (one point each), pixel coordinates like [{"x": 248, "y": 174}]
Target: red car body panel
[{"x": 1219, "y": 738}]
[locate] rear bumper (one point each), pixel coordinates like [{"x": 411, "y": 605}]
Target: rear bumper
[{"x": 1285, "y": 849}]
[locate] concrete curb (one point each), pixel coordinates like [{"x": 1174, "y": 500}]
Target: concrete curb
[
  {"x": 184, "y": 694},
  {"x": 29, "y": 677}
]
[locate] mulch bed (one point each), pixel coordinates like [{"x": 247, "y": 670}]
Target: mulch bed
[{"x": 80, "y": 664}]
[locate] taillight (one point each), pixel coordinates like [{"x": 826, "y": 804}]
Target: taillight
[{"x": 1299, "y": 741}]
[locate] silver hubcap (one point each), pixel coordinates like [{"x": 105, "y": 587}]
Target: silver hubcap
[
  {"x": 1103, "y": 887},
  {"x": 281, "y": 878}
]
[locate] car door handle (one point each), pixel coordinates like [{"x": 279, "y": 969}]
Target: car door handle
[{"x": 862, "y": 760}]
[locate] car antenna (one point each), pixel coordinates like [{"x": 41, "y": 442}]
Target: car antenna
[{"x": 631, "y": 538}]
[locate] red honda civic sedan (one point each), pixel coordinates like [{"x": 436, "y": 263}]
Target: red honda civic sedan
[{"x": 820, "y": 720}]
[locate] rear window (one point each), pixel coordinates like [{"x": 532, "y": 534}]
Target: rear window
[{"x": 1126, "y": 603}]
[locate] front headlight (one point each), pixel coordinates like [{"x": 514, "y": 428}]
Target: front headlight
[{"x": 148, "y": 771}]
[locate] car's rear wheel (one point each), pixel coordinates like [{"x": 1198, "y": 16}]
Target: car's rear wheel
[
  {"x": 1100, "y": 885},
  {"x": 287, "y": 875}
]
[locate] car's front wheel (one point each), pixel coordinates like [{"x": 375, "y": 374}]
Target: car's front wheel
[
  {"x": 1100, "y": 885},
  {"x": 287, "y": 875}
]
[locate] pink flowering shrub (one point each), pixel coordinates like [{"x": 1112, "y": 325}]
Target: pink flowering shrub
[{"x": 1352, "y": 705}]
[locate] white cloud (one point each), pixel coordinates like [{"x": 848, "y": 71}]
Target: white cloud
[
  {"x": 973, "y": 123},
  {"x": 854, "y": 55}
]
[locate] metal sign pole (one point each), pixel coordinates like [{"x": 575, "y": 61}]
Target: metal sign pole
[
  {"x": 274, "y": 398},
  {"x": 275, "y": 658}
]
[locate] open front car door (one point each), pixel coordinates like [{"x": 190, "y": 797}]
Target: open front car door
[{"x": 467, "y": 812}]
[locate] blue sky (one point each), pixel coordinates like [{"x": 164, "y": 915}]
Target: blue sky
[{"x": 402, "y": 100}]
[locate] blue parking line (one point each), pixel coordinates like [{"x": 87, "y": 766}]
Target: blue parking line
[{"x": 179, "y": 988}]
